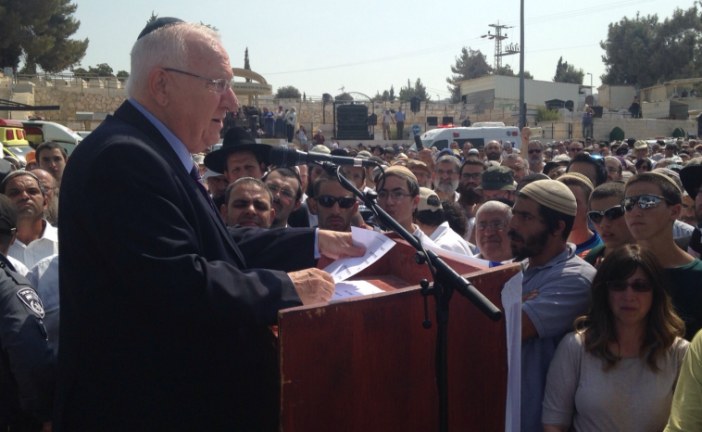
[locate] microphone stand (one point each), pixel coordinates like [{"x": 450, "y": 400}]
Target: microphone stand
[{"x": 446, "y": 281}]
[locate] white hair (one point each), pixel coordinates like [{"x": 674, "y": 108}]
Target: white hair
[
  {"x": 493, "y": 205},
  {"x": 167, "y": 46}
]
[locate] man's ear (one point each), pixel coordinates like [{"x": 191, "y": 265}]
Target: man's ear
[
  {"x": 557, "y": 231},
  {"x": 415, "y": 203},
  {"x": 223, "y": 211},
  {"x": 312, "y": 205},
  {"x": 158, "y": 86},
  {"x": 675, "y": 210}
]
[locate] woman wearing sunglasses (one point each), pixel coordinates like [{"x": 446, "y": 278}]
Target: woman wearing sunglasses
[
  {"x": 617, "y": 371},
  {"x": 606, "y": 216},
  {"x": 652, "y": 203}
]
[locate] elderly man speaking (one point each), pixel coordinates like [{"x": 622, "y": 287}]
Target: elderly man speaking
[{"x": 164, "y": 318}]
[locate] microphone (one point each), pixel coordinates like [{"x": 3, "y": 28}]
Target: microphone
[
  {"x": 285, "y": 157},
  {"x": 418, "y": 143}
]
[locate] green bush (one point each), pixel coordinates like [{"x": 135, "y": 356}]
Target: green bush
[
  {"x": 617, "y": 134},
  {"x": 545, "y": 114},
  {"x": 679, "y": 133}
]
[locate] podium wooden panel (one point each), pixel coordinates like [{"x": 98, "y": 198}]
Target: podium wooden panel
[{"x": 367, "y": 364}]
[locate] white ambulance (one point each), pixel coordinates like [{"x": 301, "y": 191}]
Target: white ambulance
[{"x": 478, "y": 134}]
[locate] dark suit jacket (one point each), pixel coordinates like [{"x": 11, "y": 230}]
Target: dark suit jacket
[
  {"x": 299, "y": 217},
  {"x": 163, "y": 325}
]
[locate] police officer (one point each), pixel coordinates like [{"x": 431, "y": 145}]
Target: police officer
[{"x": 27, "y": 362}]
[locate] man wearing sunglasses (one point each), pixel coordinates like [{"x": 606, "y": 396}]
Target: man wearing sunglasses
[
  {"x": 606, "y": 216},
  {"x": 334, "y": 206},
  {"x": 652, "y": 202},
  {"x": 535, "y": 156}
]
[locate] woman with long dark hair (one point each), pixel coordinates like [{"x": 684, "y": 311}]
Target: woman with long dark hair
[{"x": 617, "y": 371}]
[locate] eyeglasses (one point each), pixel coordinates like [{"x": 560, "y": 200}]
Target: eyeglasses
[
  {"x": 575, "y": 149},
  {"x": 216, "y": 85},
  {"x": 445, "y": 172},
  {"x": 643, "y": 201},
  {"x": 534, "y": 151},
  {"x": 258, "y": 204},
  {"x": 275, "y": 190},
  {"x": 637, "y": 285},
  {"x": 611, "y": 214},
  {"x": 472, "y": 175},
  {"x": 496, "y": 225},
  {"x": 396, "y": 195},
  {"x": 328, "y": 201}
]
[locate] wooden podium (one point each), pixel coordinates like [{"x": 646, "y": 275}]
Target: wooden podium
[{"x": 367, "y": 364}]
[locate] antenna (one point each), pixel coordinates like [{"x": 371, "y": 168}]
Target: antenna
[{"x": 498, "y": 37}]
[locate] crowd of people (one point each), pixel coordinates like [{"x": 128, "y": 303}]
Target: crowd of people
[
  {"x": 606, "y": 254},
  {"x": 176, "y": 259}
]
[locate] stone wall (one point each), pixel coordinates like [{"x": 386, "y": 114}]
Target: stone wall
[{"x": 104, "y": 96}]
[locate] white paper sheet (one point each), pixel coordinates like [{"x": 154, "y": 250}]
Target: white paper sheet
[
  {"x": 348, "y": 289},
  {"x": 376, "y": 245}
]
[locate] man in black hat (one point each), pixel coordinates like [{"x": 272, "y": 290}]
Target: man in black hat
[{"x": 240, "y": 156}]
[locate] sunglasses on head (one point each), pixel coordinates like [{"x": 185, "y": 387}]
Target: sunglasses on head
[
  {"x": 328, "y": 201},
  {"x": 637, "y": 285},
  {"x": 611, "y": 214},
  {"x": 643, "y": 201}
]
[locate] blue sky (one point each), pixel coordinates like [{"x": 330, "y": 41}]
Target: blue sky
[{"x": 367, "y": 46}]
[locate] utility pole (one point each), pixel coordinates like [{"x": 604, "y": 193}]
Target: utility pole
[
  {"x": 522, "y": 105},
  {"x": 498, "y": 37}
]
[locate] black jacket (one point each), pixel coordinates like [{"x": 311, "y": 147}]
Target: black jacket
[
  {"x": 164, "y": 326},
  {"x": 27, "y": 362}
]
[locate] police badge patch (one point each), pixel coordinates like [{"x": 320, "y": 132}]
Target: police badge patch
[{"x": 30, "y": 299}]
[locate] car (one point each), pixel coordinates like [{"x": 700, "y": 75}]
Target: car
[
  {"x": 14, "y": 140},
  {"x": 39, "y": 131}
]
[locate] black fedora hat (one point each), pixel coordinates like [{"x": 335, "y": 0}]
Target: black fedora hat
[
  {"x": 236, "y": 140},
  {"x": 691, "y": 178}
]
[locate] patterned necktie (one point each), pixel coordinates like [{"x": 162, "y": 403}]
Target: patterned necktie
[{"x": 195, "y": 175}]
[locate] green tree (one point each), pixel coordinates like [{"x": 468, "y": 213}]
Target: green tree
[
  {"x": 418, "y": 90},
  {"x": 247, "y": 65},
  {"x": 101, "y": 70},
  {"x": 566, "y": 73},
  {"x": 506, "y": 70},
  {"x": 343, "y": 97},
  {"x": 39, "y": 31},
  {"x": 122, "y": 75},
  {"x": 470, "y": 64},
  {"x": 644, "y": 51},
  {"x": 627, "y": 51},
  {"x": 288, "y": 92}
]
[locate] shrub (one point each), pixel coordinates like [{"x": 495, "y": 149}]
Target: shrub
[
  {"x": 617, "y": 134},
  {"x": 679, "y": 133},
  {"x": 545, "y": 114}
]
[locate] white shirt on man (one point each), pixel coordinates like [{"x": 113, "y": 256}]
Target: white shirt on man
[
  {"x": 448, "y": 239},
  {"x": 43, "y": 247}
]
